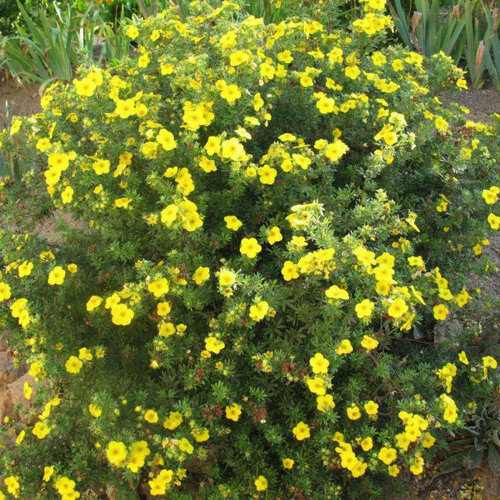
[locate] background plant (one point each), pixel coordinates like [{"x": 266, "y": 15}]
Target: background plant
[
  {"x": 50, "y": 47},
  {"x": 467, "y": 31}
]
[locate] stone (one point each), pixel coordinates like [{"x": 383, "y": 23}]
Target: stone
[
  {"x": 5, "y": 404},
  {"x": 16, "y": 392},
  {"x": 8, "y": 372}
]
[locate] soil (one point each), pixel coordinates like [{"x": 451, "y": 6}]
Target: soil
[
  {"x": 22, "y": 100},
  {"x": 480, "y": 102}
]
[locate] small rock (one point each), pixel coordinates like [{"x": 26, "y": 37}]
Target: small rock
[
  {"x": 16, "y": 392},
  {"x": 8, "y": 372},
  {"x": 5, "y": 404}
]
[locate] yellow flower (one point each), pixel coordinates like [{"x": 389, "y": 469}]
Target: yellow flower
[
  {"x": 319, "y": 363},
  {"x": 397, "y": 308},
  {"x": 352, "y": 72},
  {"x": 169, "y": 214},
  {"x": 250, "y": 247},
  {"x": 325, "y": 403},
  {"x": 274, "y": 235},
  {"x": 200, "y": 435},
  {"x": 417, "y": 467},
  {"x": 267, "y": 174},
  {"x": 288, "y": 463},
  {"x": 387, "y": 455},
  {"x": 428, "y": 440},
  {"x": 490, "y": 362},
  {"x": 67, "y": 195},
  {"x": 56, "y": 276},
  {"x": 25, "y": 269},
  {"x": 326, "y": 105},
  {"x": 364, "y": 309},
  {"x": 301, "y": 431},
  {"x": 232, "y": 149},
  {"x": 345, "y": 347},
  {"x": 116, "y": 453},
  {"x": 13, "y": 486},
  {"x": 233, "y": 412},
  {"x": 27, "y": 390},
  {"x": 121, "y": 315},
  {"x": 40, "y": 430},
  {"x": 158, "y": 287},
  {"x": 101, "y": 167},
  {"x": 231, "y": 93},
  {"x": 440, "y": 312},
  {"x": 19, "y": 439},
  {"x": 232, "y": 222},
  {"x": 369, "y": 343},
  {"x": 48, "y": 472},
  {"x": 353, "y": 412},
  {"x": 259, "y": 310},
  {"x": 173, "y": 421},
  {"x": 238, "y": 57},
  {"x": 393, "y": 470},
  {"x": 371, "y": 408},
  {"x": 494, "y": 221},
  {"x": 367, "y": 444},
  {"x": 490, "y": 195},
  {"x": 214, "y": 345},
  {"x": 316, "y": 385},
  {"x": 261, "y": 483},
  {"x": 5, "y": 291},
  {"x": 289, "y": 271},
  {"x": 94, "y": 302},
  {"x": 226, "y": 277},
  {"x": 462, "y": 357},
  {"x": 151, "y": 416},
  {"x": 285, "y": 56},
  {"x": 95, "y": 411},
  {"x": 441, "y": 124},
  {"x": 73, "y": 365},
  {"x": 132, "y": 32},
  {"x": 416, "y": 261},
  {"x": 334, "y": 292},
  {"x": 72, "y": 268},
  {"x": 166, "y": 140},
  {"x": 201, "y": 275}
]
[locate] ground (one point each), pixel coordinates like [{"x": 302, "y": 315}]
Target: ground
[{"x": 21, "y": 100}]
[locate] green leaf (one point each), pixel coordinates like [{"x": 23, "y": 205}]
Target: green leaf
[
  {"x": 452, "y": 464},
  {"x": 474, "y": 458},
  {"x": 494, "y": 459}
]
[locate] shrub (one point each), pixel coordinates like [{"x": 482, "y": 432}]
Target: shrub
[{"x": 262, "y": 225}]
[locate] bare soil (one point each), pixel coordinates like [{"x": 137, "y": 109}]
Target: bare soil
[
  {"x": 481, "y": 102},
  {"x": 18, "y": 100}
]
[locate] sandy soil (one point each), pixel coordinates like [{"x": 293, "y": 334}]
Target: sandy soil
[
  {"x": 21, "y": 101},
  {"x": 481, "y": 103}
]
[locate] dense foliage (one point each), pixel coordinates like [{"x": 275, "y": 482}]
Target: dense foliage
[{"x": 261, "y": 226}]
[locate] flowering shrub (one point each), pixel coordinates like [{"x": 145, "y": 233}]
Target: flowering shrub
[{"x": 263, "y": 224}]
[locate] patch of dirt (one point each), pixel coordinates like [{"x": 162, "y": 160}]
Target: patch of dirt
[
  {"x": 481, "y": 102},
  {"x": 478, "y": 484},
  {"x": 22, "y": 100}
]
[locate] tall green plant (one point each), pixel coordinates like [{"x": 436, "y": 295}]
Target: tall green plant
[
  {"x": 430, "y": 30},
  {"x": 482, "y": 44},
  {"x": 49, "y": 48},
  {"x": 468, "y": 33}
]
